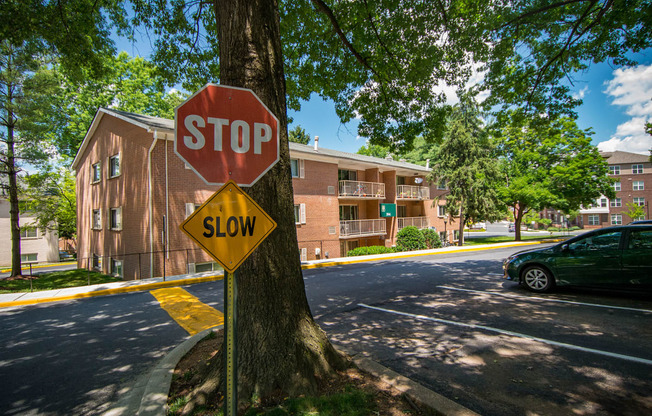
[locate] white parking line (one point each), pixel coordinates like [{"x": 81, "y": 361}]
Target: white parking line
[
  {"x": 507, "y": 295},
  {"x": 514, "y": 334}
]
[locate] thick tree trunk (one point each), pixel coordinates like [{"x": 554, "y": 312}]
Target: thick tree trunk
[
  {"x": 518, "y": 219},
  {"x": 281, "y": 350},
  {"x": 14, "y": 208}
]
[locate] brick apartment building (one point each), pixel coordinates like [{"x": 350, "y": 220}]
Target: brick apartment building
[
  {"x": 633, "y": 175},
  {"x": 133, "y": 192}
]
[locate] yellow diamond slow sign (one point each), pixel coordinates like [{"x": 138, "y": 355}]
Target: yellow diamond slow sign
[{"x": 229, "y": 226}]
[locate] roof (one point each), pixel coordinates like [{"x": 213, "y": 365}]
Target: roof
[
  {"x": 618, "y": 157},
  {"x": 164, "y": 125},
  {"x": 354, "y": 157}
]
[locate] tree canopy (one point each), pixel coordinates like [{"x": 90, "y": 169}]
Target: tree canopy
[{"x": 299, "y": 135}]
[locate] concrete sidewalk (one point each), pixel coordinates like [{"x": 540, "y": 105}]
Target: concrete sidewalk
[{"x": 27, "y": 298}]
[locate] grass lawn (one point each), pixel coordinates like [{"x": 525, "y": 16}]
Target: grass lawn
[
  {"x": 55, "y": 280},
  {"x": 510, "y": 238}
]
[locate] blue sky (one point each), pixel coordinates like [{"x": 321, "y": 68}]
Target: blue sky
[{"x": 617, "y": 103}]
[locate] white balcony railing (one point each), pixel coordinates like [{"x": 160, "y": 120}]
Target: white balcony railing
[
  {"x": 357, "y": 228},
  {"x": 412, "y": 192},
  {"x": 419, "y": 222},
  {"x": 358, "y": 189}
]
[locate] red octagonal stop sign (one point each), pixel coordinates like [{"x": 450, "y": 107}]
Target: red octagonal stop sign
[{"x": 226, "y": 133}]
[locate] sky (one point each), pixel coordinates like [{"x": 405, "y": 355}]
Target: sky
[{"x": 616, "y": 105}]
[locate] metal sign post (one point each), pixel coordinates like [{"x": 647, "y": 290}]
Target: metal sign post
[{"x": 231, "y": 353}]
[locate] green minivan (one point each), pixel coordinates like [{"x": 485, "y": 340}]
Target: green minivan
[{"x": 618, "y": 257}]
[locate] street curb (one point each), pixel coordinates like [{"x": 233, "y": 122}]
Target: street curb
[
  {"x": 149, "y": 396},
  {"x": 314, "y": 265}
]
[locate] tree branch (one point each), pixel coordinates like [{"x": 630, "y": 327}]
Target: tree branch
[
  {"x": 323, "y": 7},
  {"x": 380, "y": 41}
]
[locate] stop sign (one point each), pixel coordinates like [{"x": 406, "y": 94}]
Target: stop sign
[{"x": 226, "y": 133}]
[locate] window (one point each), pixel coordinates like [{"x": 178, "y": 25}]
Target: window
[
  {"x": 27, "y": 258},
  {"x": 191, "y": 207},
  {"x": 610, "y": 240},
  {"x": 96, "y": 219},
  {"x": 637, "y": 169},
  {"x": 28, "y": 232},
  {"x": 614, "y": 170},
  {"x": 347, "y": 175},
  {"x": 115, "y": 218},
  {"x": 400, "y": 180},
  {"x": 617, "y": 186},
  {"x": 96, "y": 172},
  {"x": 114, "y": 166},
  {"x": 297, "y": 168},
  {"x": 602, "y": 202},
  {"x": 97, "y": 262},
  {"x": 401, "y": 211},
  {"x": 300, "y": 213},
  {"x": 616, "y": 219},
  {"x": 348, "y": 212},
  {"x": 640, "y": 240},
  {"x": 116, "y": 267},
  {"x": 638, "y": 186},
  {"x": 616, "y": 202},
  {"x": 594, "y": 219},
  {"x": 441, "y": 210},
  {"x": 442, "y": 185},
  {"x": 303, "y": 253},
  {"x": 207, "y": 267},
  {"x": 639, "y": 201}
]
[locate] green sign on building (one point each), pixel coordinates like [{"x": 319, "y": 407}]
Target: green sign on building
[{"x": 387, "y": 210}]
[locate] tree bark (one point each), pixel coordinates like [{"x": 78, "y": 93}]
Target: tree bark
[
  {"x": 518, "y": 219},
  {"x": 281, "y": 350},
  {"x": 14, "y": 208},
  {"x": 460, "y": 240}
]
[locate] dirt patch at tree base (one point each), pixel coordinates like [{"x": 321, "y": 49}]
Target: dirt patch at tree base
[{"x": 193, "y": 367}]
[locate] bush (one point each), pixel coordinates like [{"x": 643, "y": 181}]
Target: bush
[
  {"x": 409, "y": 238},
  {"x": 552, "y": 229},
  {"x": 575, "y": 228},
  {"x": 432, "y": 238},
  {"x": 368, "y": 250}
]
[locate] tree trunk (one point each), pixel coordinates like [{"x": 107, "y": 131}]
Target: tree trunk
[
  {"x": 281, "y": 350},
  {"x": 518, "y": 218},
  {"x": 460, "y": 240},
  {"x": 14, "y": 209}
]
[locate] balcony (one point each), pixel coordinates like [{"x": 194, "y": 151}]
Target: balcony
[
  {"x": 419, "y": 222},
  {"x": 418, "y": 193},
  {"x": 362, "y": 228},
  {"x": 363, "y": 190}
]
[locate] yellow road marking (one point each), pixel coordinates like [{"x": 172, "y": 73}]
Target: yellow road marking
[{"x": 193, "y": 315}]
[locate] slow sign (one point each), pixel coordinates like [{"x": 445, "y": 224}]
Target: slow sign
[{"x": 229, "y": 226}]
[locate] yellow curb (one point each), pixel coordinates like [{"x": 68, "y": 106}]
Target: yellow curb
[
  {"x": 39, "y": 266},
  {"x": 104, "y": 292},
  {"x": 415, "y": 254},
  {"x": 187, "y": 310}
]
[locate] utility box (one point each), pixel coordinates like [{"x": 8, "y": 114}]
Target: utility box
[{"x": 387, "y": 210}]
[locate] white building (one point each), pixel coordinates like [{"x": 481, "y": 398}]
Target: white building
[{"x": 35, "y": 246}]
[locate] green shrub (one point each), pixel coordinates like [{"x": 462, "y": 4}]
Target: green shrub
[
  {"x": 552, "y": 229},
  {"x": 575, "y": 228},
  {"x": 369, "y": 250},
  {"x": 409, "y": 238},
  {"x": 432, "y": 238}
]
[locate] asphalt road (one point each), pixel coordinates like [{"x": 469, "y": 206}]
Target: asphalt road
[{"x": 441, "y": 320}]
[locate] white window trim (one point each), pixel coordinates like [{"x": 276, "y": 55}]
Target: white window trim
[
  {"x": 302, "y": 214},
  {"x": 119, "y": 157},
  {"x": 618, "y": 217},
  {"x": 638, "y": 186},
  {"x": 25, "y": 229},
  {"x": 112, "y": 271},
  {"x": 301, "y": 168},
  {"x": 638, "y": 165},
  {"x": 615, "y": 170},
  {"x": 304, "y": 254},
  {"x": 118, "y": 227},
  {"x": 617, "y": 186}
]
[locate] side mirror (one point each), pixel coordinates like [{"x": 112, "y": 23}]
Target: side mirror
[{"x": 565, "y": 248}]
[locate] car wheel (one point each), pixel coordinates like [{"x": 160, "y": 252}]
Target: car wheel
[{"x": 538, "y": 279}]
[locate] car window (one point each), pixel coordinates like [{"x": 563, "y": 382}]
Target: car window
[
  {"x": 604, "y": 241},
  {"x": 640, "y": 239}
]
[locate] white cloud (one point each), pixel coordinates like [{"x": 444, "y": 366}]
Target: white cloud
[
  {"x": 579, "y": 95},
  {"x": 631, "y": 88}
]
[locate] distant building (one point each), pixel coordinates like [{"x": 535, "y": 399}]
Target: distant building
[
  {"x": 133, "y": 191},
  {"x": 35, "y": 247},
  {"x": 633, "y": 175}
]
